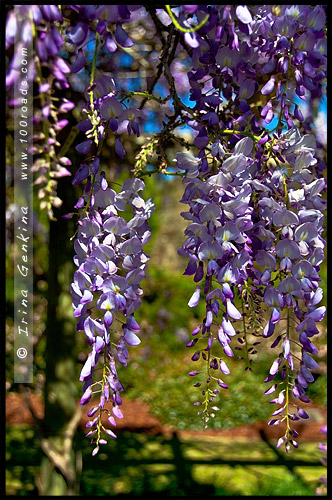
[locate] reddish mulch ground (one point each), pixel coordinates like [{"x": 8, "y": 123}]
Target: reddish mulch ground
[{"x": 137, "y": 418}]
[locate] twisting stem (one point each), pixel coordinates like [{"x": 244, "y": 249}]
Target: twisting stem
[
  {"x": 93, "y": 70},
  {"x": 245, "y": 332},
  {"x": 102, "y": 386},
  {"x": 285, "y": 190},
  {"x": 179, "y": 27},
  {"x": 207, "y": 392},
  {"x": 100, "y": 144},
  {"x": 286, "y": 84},
  {"x": 156, "y": 171},
  {"x": 239, "y": 132},
  {"x": 287, "y": 380},
  {"x": 146, "y": 95}
]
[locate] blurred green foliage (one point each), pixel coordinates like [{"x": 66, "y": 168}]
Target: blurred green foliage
[{"x": 170, "y": 394}]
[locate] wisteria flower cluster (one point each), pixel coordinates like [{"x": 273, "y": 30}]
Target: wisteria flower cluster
[
  {"x": 255, "y": 201},
  {"x": 253, "y": 176},
  {"x": 106, "y": 290},
  {"x": 46, "y": 71},
  {"x": 297, "y": 252},
  {"x": 257, "y": 230},
  {"x": 217, "y": 246}
]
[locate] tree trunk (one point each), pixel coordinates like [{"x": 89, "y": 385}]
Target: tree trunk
[{"x": 58, "y": 468}]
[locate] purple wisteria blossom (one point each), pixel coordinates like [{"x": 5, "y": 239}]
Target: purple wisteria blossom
[
  {"x": 218, "y": 248},
  {"x": 39, "y": 26},
  {"x": 250, "y": 222},
  {"x": 294, "y": 258},
  {"x": 106, "y": 289},
  {"x": 262, "y": 222}
]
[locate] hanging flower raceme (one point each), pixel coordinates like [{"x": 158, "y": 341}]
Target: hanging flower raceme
[
  {"x": 50, "y": 163},
  {"x": 282, "y": 61},
  {"x": 39, "y": 26},
  {"x": 218, "y": 248},
  {"x": 288, "y": 252},
  {"x": 105, "y": 110},
  {"x": 106, "y": 291}
]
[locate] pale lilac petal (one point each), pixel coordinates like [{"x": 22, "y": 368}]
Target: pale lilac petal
[
  {"x": 302, "y": 413},
  {"x": 275, "y": 366},
  {"x": 195, "y": 297},
  {"x": 275, "y": 316},
  {"x": 108, "y": 318},
  {"x": 116, "y": 225},
  {"x": 130, "y": 337},
  {"x": 309, "y": 361},
  {"x": 286, "y": 347},
  {"x": 92, "y": 328},
  {"x": 132, "y": 246},
  {"x": 232, "y": 311},
  {"x": 243, "y": 14},
  {"x": 117, "y": 412},
  {"x": 228, "y": 327},
  {"x": 132, "y": 324},
  {"x": 268, "y": 87},
  {"x": 269, "y": 329},
  {"x": 110, "y": 108},
  {"x": 271, "y": 389},
  {"x": 228, "y": 351},
  {"x": 87, "y": 368},
  {"x": 224, "y": 368},
  {"x": 86, "y": 396},
  {"x": 99, "y": 344},
  {"x": 210, "y": 251}
]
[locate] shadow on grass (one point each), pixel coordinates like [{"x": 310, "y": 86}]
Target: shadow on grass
[{"x": 141, "y": 464}]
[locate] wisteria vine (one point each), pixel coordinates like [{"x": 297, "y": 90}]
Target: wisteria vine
[{"x": 253, "y": 182}]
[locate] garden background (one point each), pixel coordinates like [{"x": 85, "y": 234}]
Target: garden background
[{"x": 161, "y": 445}]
